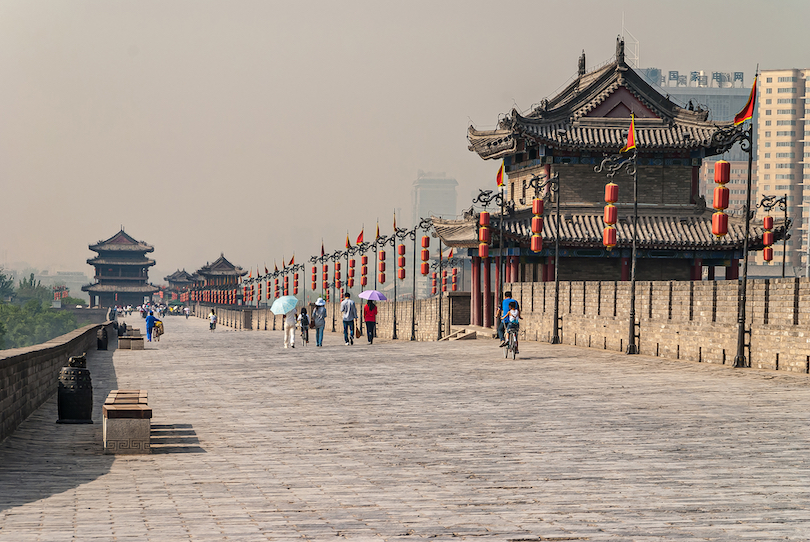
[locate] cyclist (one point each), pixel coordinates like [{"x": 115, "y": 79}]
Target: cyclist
[
  {"x": 504, "y": 308},
  {"x": 511, "y": 321}
]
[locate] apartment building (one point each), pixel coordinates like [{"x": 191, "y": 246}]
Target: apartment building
[{"x": 783, "y": 127}]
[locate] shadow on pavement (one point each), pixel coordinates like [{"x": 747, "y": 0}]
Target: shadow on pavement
[
  {"x": 175, "y": 439},
  {"x": 43, "y": 458}
]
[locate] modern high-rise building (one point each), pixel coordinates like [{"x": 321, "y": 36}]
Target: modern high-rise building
[
  {"x": 433, "y": 194},
  {"x": 783, "y": 129}
]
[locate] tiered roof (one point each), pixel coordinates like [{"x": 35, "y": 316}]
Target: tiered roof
[
  {"x": 122, "y": 242},
  {"x": 221, "y": 267},
  {"x": 591, "y": 114}
]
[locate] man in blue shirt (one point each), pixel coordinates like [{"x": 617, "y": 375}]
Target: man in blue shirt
[
  {"x": 150, "y": 323},
  {"x": 507, "y": 298}
]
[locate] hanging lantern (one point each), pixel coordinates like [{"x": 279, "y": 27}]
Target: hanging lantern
[
  {"x": 381, "y": 278},
  {"x": 337, "y": 266},
  {"x": 611, "y": 192},
  {"x": 351, "y": 272},
  {"x": 483, "y": 235},
  {"x": 401, "y": 261},
  {"x": 326, "y": 285},
  {"x": 314, "y": 285},
  {"x": 401, "y": 249},
  {"x": 337, "y": 274},
  {"x": 609, "y": 237},
  {"x": 401, "y": 273},
  {"x": 350, "y": 281},
  {"x": 483, "y": 219},
  {"x": 720, "y": 200},
  {"x": 363, "y": 270},
  {"x": 483, "y": 250},
  {"x": 444, "y": 280},
  {"x": 455, "y": 276},
  {"x": 767, "y": 238},
  {"x": 364, "y": 260},
  {"x": 537, "y": 225},
  {"x": 536, "y": 243},
  {"x": 363, "y": 280},
  {"x": 425, "y": 241},
  {"x": 433, "y": 289},
  {"x": 381, "y": 266},
  {"x": 719, "y": 224},
  {"x": 425, "y": 268},
  {"x": 722, "y": 171},
  {"x": 611, "y": 214}
]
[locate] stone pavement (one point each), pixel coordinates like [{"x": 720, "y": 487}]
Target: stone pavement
[{"x": 401, "y": 441}]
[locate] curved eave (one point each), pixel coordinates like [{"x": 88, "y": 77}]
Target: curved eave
[
  {"x": 491, "y": 144},
  {"x": 141, "y": 247},
  {"x": 107, "y": 261},
  {"x": 108, "y": 288}
]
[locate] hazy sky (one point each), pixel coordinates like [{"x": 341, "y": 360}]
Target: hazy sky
[{"x": 256, "y": 128}]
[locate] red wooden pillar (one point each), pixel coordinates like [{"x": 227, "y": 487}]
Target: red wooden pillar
[
  {"x": 733, "y": 270},
  {"x": 487, "y": 308},
  {"x": 475, "y": 287},
  {"x": 711, "y": 272},
  {"x": 625, "y": 263},
  {"x": 697, "y": 269},
  {"x": 550, "y": 269},
  {"x": 497, "y": 261},
  {"x": 513, "y": 264}
]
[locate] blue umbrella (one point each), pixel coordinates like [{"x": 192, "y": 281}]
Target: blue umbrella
[
  {"x": 284, "y": 304},
  {"x": 373, "y": 295}
]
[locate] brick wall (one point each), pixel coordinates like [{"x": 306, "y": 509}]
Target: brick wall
[
  {"x": 694, "y": 321},
  {"x": 28, "y": 376}
]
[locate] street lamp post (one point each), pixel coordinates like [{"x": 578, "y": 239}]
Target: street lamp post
[
  {"x": 423, "y": 225},
  {"x": 553, "y": 185},
  {"x": 768, "y": 203},
  {"x": 613, "y": 164},
  {"x": 485, "y": 197},
  {"x": 334, "y": 257}
]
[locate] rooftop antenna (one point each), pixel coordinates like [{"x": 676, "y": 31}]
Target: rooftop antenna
[{"x": 631, "y": 46}]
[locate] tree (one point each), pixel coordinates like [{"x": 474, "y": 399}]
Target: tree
[
  {"x": 6, "y": 286},
  {"x": 32, "y": 323},
  {"x": 31, "y": 288},
  {"x": 73, "y": 301}
]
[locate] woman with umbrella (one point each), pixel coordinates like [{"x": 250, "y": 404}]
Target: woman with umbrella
[
  {"x": 286, "y": 305},
  {"x": 319, "y": 319},
  {"x": 370, "y": 312}
]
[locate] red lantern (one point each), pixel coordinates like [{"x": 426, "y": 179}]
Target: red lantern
[
  {"x": 483, "y": 219},
  {"x": 350, "y": 282},
  {"x": 351, "y": 263},
  {"x": 425, "y": 254},
  {"x": 381, "y": 278},
  {"x": 337, "y": 266},
  {"x": 364, "y": 270},
  {"x": 720, "y": 198},
  {"x": 401, "y": 261},
  {"x": 611, "y": 214},
  {"x": 381, "y": 267},
  {"x": 425, "y": 241},
  {"x": 611, "y": 192},
  {"x": 363, "y": 280},
  {"x": 537, "y": 224},
  {"x": 364, "y": 260},
  {"x": 722, "y": 171},
  {"x": 537, "y": 243},
  {"x": 609, "y": 237},
  {"x": 719, "y": 224},
  {"x": 401, "y": 273},
  {"x": 767, "y": 254},
  {"x": 401, "y": 249},
  {"x": 484, "y": 235},
  {"x": 425, "y": 268},
  {"x": 314, "y": 285},
  {"x": 767, "y": 222},
  {"x": 483, "y": 250},
  {"x": 537, "y": 206},
  {"x": 325, "y": 285},
  {"x": 326, "y": 268},
  {"x": 337, "y": 274},
  {"x": 351, "y": 273},
  {"x": 767, "y": 238}
]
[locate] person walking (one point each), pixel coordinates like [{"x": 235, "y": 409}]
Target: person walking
[
  {"x": 319, "y": 319},
  {"x": 370, "y": 318},
  {"x": 212, "y": 325},
  {"x": 150, "y": 324},
  {"x": 303, "y": 324},
  {"x": 349, "y": 312},
  {"x": 289, "y": 328}
]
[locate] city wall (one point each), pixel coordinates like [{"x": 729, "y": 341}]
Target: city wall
[
  {"x": 28, "y": 376},
  {"x": 689, "y": 320}
]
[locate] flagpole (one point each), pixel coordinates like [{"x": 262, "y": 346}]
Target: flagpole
[
  {"x": 632, "y": 347},
  {"x": 739, "y": 359}
]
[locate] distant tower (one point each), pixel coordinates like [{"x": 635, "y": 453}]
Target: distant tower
[
  {"x": 433, "y": 194},
  {"x": 122, "y": 272}
]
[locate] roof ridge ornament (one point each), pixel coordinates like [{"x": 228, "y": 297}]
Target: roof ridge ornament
[
  {"x": 581, "y": 69},
  {"x": 619, "y": 50}
]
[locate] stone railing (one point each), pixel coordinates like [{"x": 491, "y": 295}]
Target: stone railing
[{"x": 28, "y": 376}]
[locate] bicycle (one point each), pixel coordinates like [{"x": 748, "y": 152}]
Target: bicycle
[{"x": 511, "y": 342}]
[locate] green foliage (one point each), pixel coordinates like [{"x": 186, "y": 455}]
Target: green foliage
[
  {"x": 32, "y": 323},
  {"x": 73, "y": 301},
  {"x": 29, "y": 289},
  {"x": 6, "y": 286}
]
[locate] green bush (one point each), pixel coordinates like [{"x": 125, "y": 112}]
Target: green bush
[{"x": 32, "y": 323}]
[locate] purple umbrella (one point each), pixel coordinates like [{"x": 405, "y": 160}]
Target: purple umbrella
[{"x": 372, "y": 295}]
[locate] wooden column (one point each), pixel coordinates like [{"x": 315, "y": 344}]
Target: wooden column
[
  {"x": 475, "y": 291},
  {"x": 513, "y": 265},
  {"x": 697, "y": 269},
  {"x": 625, "y": 262},
  {"x": 733, "y": 271},
  {"x": 487, "y": 304}
]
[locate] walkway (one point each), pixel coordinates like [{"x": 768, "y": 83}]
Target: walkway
[{"x": 402, "y": 441}]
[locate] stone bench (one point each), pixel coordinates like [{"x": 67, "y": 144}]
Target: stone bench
[
  {"x": 130, "y": 343},
  {"x": 127, "y": 422}
]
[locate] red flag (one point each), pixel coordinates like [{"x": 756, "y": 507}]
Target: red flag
[
  {"x": 631, "y": 135},
  {"x": 395, "y": 221},
  {"x": 348, "y": 243},
  {"x": 322, "y": 252},
  {"x": 747, "y": 111},
  {"x": 275, "y": 266},
  {"x": 499, "y": 177},
  {"x": 265, "y": 269},
  {"x": 292, "y": 260},
  {"x": 378, "y": 230},
  {"x": 250, "y": 275},
  {"x": 359, "y": 237},
  {"x": 449, "y": 256}
]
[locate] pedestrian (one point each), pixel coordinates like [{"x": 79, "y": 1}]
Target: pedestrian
[
  {"x": 289, "y": 328},
  {"x": 186, "y": 311},
  {"x": 303, "y": 324},
  {"x": 150, "y": 323},
  {"x": 349, "y": 312},
  {"x": 500, "y": 314},
  {"x": 370, "y": 318},
  {"x": 319, "y": 320},
  {"x": 212, "y": 320}
]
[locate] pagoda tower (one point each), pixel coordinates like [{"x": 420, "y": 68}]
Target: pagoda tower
[{"x": 122, "y": 272}]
